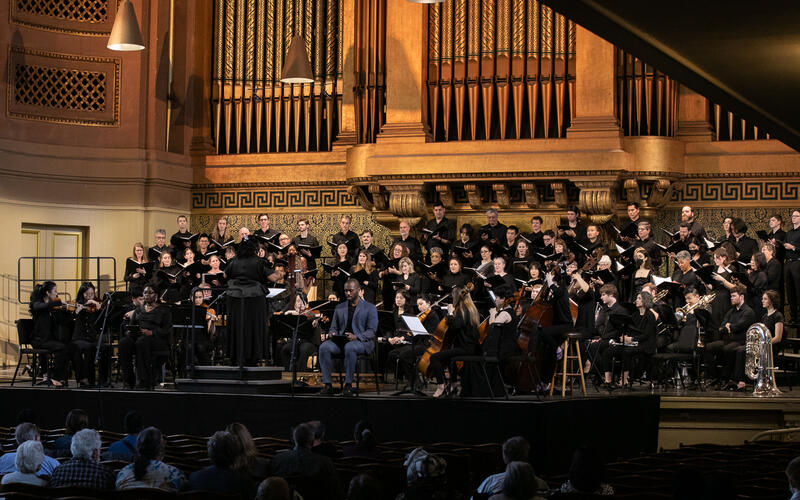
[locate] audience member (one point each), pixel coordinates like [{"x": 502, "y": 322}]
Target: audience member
[
  {"x": 77, "y": 419},
  {"x": 365, "y": 446},
  {"x": 793, "y": 475},
  {"x": 125, "y": 448},
  {"x": 515, "y": 449},
  {"x": 276, "y": 488},
  {"x": 321, "y": 446},
  {"x": 220, "y": 477},
  {"x": 364, "y": 487},
  {"x": 586, "y": 474},
  {"x": 84, "y": 468},
  {"x": 426, "y": 477},
  {"x": 148, "y": 471},
  {"x": 28, "y": 461},
  {"x": 249, "y": 460},
  {"x": 316, "y": 472},
  {"x": 520, "y": 483},
  {"x": 23, "y": 433}
]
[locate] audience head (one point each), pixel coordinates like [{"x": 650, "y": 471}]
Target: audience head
[
  {"x": 86, "y": 444},
  {"x": 30, "y": 456},
  {"x": 273, "y": 488},
  {"x": 223, "y": 449},
  {"x": 364, "y": 487},
  {"x": 132, "y": 423},
  {"x": 303, "y": 436},
  {"x": 516, "y": 449},
  {"x": 242, "y": 434},
  {"x": 363, "y": 434},
  {"x": 26, "y": 432},
  {"x": 793, "y": 474},
  {"x": 520, "y": 481},
  {"x": 422, "y": 466},
  {"x": 77, "y": 419},
  {"x": 587, "y": 470},
  {"x": 149, "y": 446}
]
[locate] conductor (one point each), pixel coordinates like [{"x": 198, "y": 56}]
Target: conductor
[{"x": 352, "y": 330}]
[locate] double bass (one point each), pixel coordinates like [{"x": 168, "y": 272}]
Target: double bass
[
  {"x": 539, "y": 314},
  {"x": 439, "y": 337}
]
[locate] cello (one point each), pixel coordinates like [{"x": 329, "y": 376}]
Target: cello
[
  {"x": 440, "y": 335},
  {"x": 539, "y": 314}
]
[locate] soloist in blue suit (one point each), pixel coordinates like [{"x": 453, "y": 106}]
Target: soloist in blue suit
[{"x": 365, "y": 322}]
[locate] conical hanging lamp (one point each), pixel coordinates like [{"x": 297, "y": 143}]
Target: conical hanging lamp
[
  {"x": 125, "y": 35},
  {"x": 297, "y": 66}
]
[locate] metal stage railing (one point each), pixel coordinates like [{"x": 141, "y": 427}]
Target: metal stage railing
[{"x": 103, "y": 281}]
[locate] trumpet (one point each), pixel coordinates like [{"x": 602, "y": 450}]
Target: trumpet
[
  {"x": 660, "y": 295},
  {"x": 703, "y": 303}
]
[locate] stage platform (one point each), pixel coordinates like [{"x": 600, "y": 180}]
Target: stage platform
[{"x": 619, "y": 426}]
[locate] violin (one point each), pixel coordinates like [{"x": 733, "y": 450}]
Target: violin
[
  {"x": 73, "y": 306},
  {"x": 514, "y": 299}
]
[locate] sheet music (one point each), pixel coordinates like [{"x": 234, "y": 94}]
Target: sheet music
[{"x": 415, "y": 325}]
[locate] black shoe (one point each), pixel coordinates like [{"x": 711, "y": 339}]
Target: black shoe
[
  {"x": 348, "y": 392},
  {"x": 326, "y": 391}
]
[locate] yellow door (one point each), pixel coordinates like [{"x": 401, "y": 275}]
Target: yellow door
[{"x": 52, "y": 241}]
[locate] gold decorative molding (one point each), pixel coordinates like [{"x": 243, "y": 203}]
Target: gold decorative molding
[
  {"x": 90, "y": 18},
  {"x": 597, "y": 199},
  {"x": 560, "y": 191},
  {"x": 473, "y": 196},
  {"x": 407, "y": 201},
  {"x": 361, "y": 196},
  {"x": 503, "y": 195},
  {"x": 41, "y": 87},
  {"x": 378, "y": 197},
  {"x": 531, "y": 194},
  {"x": 445, "y": 195},
  {"x": 632, "y": 189},
  {"x": 661, "y": 192}
]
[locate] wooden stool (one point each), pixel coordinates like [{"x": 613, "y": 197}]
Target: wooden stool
[{"x": 570, "y": 342}]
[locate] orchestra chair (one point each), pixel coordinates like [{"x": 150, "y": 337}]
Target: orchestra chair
[
  {"x": 24, "y": 335},
  {"x": 571, "y": 365},
  {"x": 483, "y": 360},
  {"x": 667, "y": 363},
  {"x": 371, "y": 358},
  {"x": 788, "y": 356}
]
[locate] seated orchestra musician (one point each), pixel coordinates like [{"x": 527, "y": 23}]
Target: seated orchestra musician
[
  {"x": 297, "y": 314},
  {"x": 406, "y": 350},
  {"x": 730, "y": 336},
  {"x": 462, "y": 328},
  {"x": 83, "y": 346},
  {"x": 154, "y": 322},
  {"x": 642, "y": 332}
]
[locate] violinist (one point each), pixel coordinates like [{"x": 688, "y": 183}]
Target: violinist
[
  {"x": 454, "y": 277},
  {"x": 168, "y": 280},
  {"x": 84, "y": 339},
  {"x": 369, "y": 283},
  {"x": 155, "y": 324},
  {"x": 49, "y": 319},
  {"x": 136, "y": 272},
  {"x": 307, "y": 332},
  {"x": 582, "y": 294},
  {"x": 409, "y": 353},
  {"x": 461, "y": 337},
  {"x": 392, "y": 271},
  {"x": 400, "y": 339},
  {"x": 501, "y": 340}
]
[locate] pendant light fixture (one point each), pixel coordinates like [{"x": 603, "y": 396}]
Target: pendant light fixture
[
  {"x": 125, "y": 35},
  {"x": 297, "y": 65}
]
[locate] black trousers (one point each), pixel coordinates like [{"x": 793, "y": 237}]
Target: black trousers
[
  {"x": 83, "y": 353},
  {"x": 791, "y": 276},
  {"x": 405, "y": 358},
  {"x": 305, "y": 350},
  {"x": 146, "y": 361},
  {"x": 440, "y": 358},
  {"x": 60, "y": 358},
  {"x": 723, "y": 352},
  {"x": 627, "y": 355}
]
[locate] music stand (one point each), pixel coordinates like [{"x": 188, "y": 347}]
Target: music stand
[
  {"x": 418, "y": 332},
  {"x": 115, "y": 298}
]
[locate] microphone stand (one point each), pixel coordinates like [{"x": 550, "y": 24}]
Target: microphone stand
[{"x": 109, "y": 305}]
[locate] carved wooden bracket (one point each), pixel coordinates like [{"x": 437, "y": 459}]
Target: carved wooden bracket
[
  {"x": 503, "y": 195},
  {"x": 597, "y": 199},
  {"x": 632, "y": 190},
  {"x": 531, "y": 194},
  {"x": 662, "y": 192},
  {"x": 445, "y": 195},
  {"x": 407, "y": 201},
  {"x": 362, "y": 198},
  {"x": 560, "y": 191},
  {"x": 473, "y": 195},
  {"x": 378, "y": 197}
]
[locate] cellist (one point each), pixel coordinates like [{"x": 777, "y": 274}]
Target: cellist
[{"x": 461, "y": 339}]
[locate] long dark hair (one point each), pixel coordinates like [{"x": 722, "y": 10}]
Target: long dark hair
[
  {"x": 149, "y": 446},
  {"x": 248, "y": 248},
  {"x": 39, "y": 292},
  {"x": 85, "y": 286}
]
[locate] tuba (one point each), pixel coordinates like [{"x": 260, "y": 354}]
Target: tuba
[{"x": 758, "y": 364}]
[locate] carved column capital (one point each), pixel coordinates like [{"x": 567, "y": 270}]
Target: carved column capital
[
  {"x": 560, "y": 191},
  {"x": 503, "y": 195},
  {"x": 597, "y": 198},
  {"x": 361, "y": 196},
  {"x": 473, "y": 195},
  {"x": 631, "y": 187},
  {"x": 531, "y": 194},
  {"x": 378, "y": 197},
  {"x": 446, "y": 195},
  {"x": 661, "y": 192},
  {"x": 407, "y": 200}
]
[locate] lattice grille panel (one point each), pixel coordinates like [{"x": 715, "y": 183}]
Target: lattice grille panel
[
  {"x": 60, "y": 88},
  {"x": 87, "y": 11}
]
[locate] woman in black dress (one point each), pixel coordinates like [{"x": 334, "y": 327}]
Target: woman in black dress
[
  {"x": 84, "y": 338},
  {"x": 369, "y": 286},
  {"x": 49, "y": 323},
  {"x": 644, "y": 321},
  {"x": 247, "y": 277},
  {"x": 342, "y": 265},
  {"x": 455, "y": 276},
  {"x": 399, "y": 338},
  {"x": 462, "y": 335},
  {"x": 408, "y": 280},
  {"x": 721, "y": 286},
  {"x": 155, "y": 335},
  {"x": 643, "y": 273},
  {"x": 168, "y": 280},
  {"x": 522, "y": 259},
  {"x": 136, "y": 272},
  {"x": 392, "y": 271}
]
